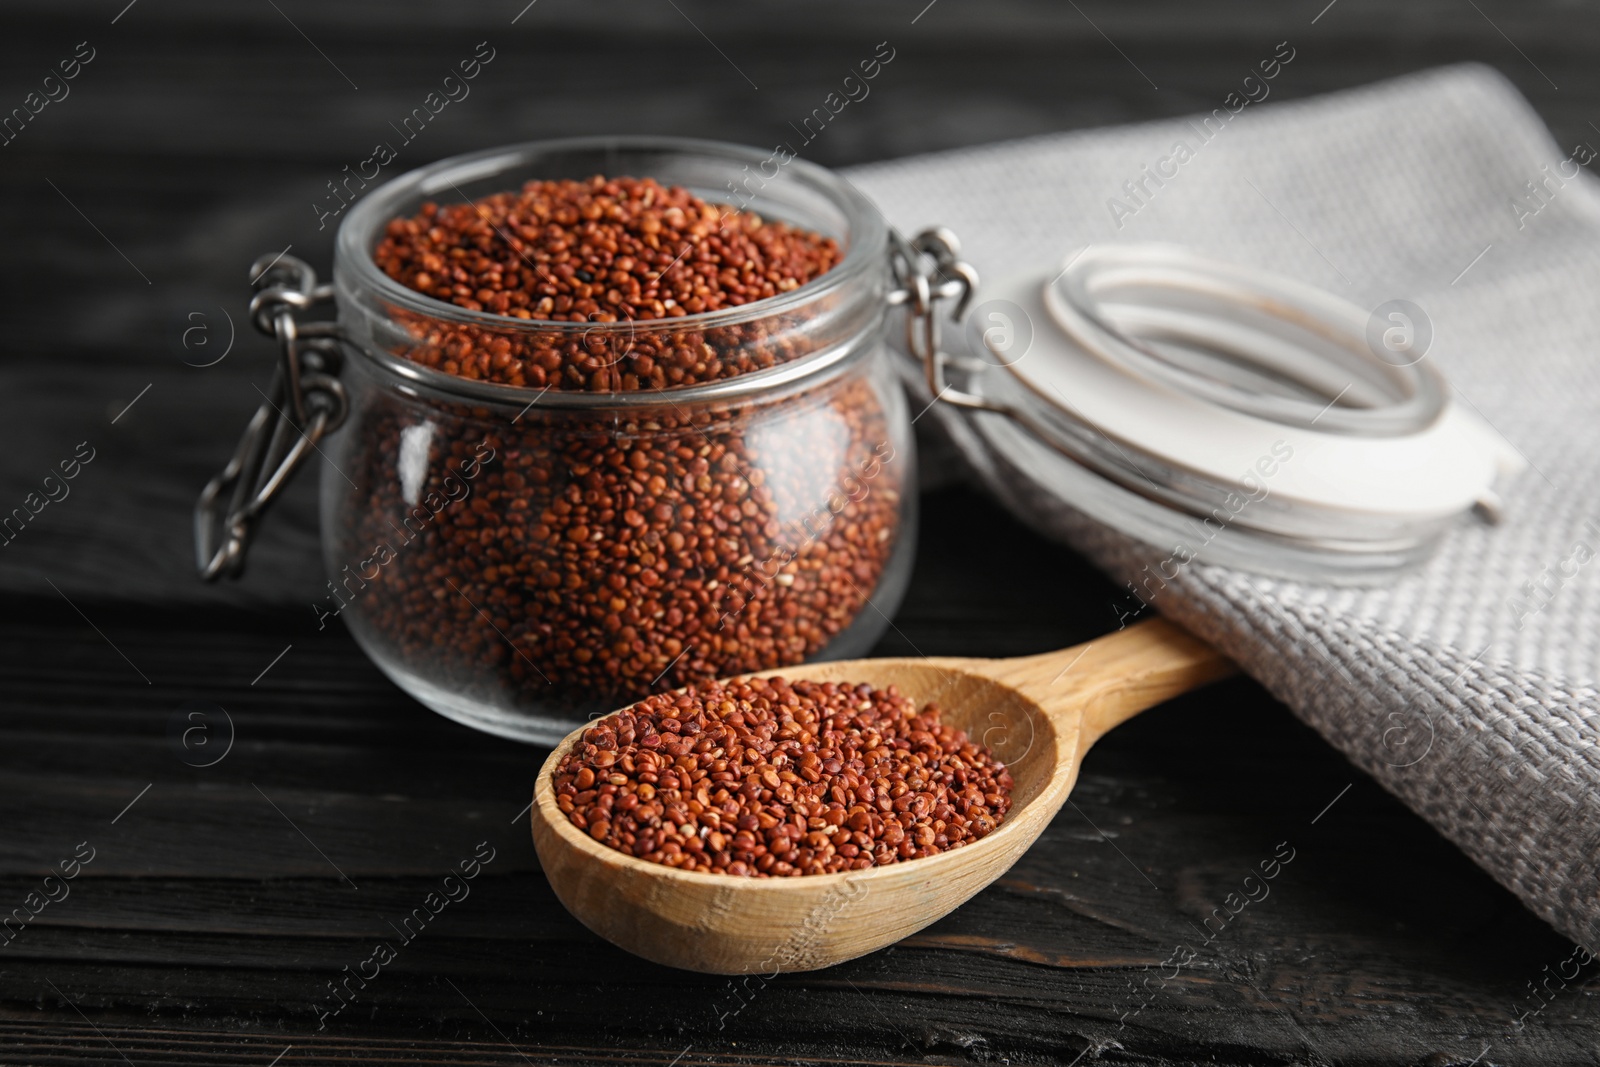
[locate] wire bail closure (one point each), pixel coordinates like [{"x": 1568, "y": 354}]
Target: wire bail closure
[
  {"x": 929, "y": 269},
  {"x": 305, "y": 403}
]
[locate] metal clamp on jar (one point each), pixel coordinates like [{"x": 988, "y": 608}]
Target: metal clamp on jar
[{"x": 516, "y": 558}]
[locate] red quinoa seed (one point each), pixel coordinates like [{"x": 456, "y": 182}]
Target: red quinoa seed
[
  {"x": 768, "y": 778},
  {"x": 598, "y": 557}
]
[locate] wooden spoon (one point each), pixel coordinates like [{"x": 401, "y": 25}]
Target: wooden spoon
[{"x": 1039, "y": 714}]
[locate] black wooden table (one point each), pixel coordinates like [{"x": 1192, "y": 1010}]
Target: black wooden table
[{"x": 214, "y": 905}]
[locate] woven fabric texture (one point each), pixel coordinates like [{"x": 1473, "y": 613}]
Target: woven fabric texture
[{"x": 1467, "y": 688}]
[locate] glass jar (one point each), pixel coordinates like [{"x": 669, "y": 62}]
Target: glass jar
[{"x": 521, "y": 558}]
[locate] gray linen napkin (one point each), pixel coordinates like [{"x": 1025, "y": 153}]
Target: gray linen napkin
[{"x": 1469, "y": 687}]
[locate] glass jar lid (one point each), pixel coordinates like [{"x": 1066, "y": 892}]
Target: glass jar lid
[{"x": 1262, "y": 422}]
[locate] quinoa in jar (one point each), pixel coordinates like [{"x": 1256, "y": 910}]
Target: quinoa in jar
[{"x": 621, "y": 419}]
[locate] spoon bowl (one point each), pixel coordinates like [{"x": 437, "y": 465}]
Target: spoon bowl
[{"x": 1037, "y": 714}]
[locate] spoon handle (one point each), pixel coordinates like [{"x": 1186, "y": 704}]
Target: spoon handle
[{"x": 1111, "y": 679}]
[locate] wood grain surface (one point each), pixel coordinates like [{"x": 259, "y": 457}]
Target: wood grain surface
[{"x": 221, "y": 901}]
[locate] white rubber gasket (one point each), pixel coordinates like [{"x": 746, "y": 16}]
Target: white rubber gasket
[{"x": 1391, "y": 445}]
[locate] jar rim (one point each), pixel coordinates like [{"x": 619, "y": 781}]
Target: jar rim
[
  {"x": 866, "y": 229},
  {"x": 378, "y": 209}
]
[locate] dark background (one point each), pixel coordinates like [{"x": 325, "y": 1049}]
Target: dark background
[{"x": 221, "y": 903}]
